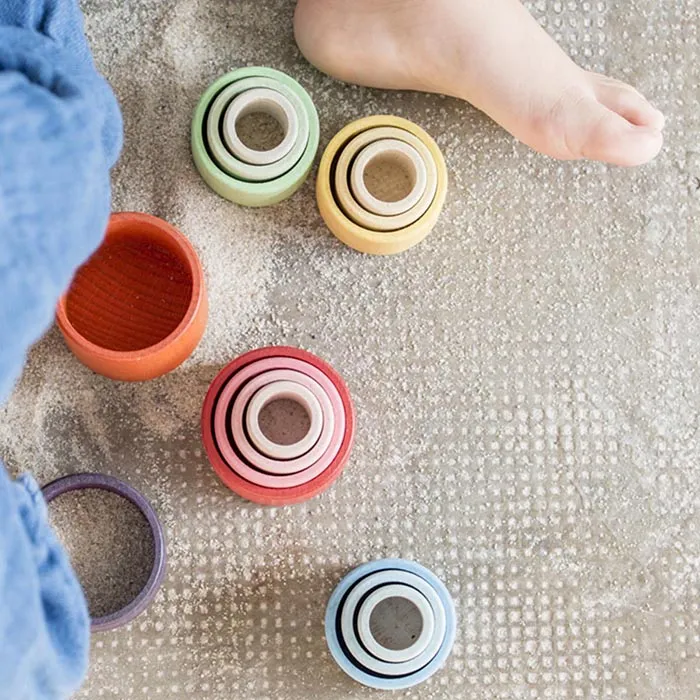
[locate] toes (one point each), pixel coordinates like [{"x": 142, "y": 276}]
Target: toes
[
  {"x": 630, "y": 104},
  {"x": 610, "y": 137}
]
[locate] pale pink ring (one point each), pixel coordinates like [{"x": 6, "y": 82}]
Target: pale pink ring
[
  {"x": 286, "y": 389},
  {"x": 243, "y": 469},
  {"x": 269, "y": 464}
]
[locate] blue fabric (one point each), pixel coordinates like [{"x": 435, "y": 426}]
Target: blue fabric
[{"x": 60, "y": 132}]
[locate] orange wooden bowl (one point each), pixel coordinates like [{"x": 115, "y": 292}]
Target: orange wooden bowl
[{"x": 138, "y": 308}]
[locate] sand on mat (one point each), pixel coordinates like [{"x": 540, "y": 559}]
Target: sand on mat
[
  {"x": 110, "y": 545},
  {"x": 526, "y": 384}
]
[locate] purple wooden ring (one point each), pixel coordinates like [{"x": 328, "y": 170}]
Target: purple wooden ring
[{"x": 78, "y": 482}]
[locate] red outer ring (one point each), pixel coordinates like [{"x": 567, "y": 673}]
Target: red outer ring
[{"x": 260, "y": 494}]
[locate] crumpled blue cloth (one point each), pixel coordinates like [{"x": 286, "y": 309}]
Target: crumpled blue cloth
[{"x": 60, "y": 132}]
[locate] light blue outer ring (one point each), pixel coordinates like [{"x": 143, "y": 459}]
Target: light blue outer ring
[{"x": 334, "y": 609}]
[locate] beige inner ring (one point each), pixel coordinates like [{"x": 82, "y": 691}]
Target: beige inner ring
[
  {"x": 388, "y": 158},
  {"x": 341, "y": 188}
]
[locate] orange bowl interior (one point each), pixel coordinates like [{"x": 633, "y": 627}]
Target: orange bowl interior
[{"x": 134, "y": 291}]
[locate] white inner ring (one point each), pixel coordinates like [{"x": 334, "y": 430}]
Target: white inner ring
[
  {"x": 331, "y": 405},
  {"x": 408, "y": 159},
  {"x": 265, "y": 101},
  {"x": 373, "y": 646},
  {"x": 284, "y": 390},
  {"x": 358, "y": 652}
]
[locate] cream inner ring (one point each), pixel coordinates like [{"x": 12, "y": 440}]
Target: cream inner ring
[
  {"x": 265, "y": 101},
  {"x": 274, "y": 392},
  {"x": 345, "y": 199},
  {"x": 235, "y": 167},
  {"x": 356, "y": 648},
  {"x": 388, "y": 154},
  {"x": 286, "y": 472},
  {"x": 390, "y": 600}
]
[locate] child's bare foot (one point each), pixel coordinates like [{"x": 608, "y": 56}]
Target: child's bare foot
[{"x": 491, "y": 53}]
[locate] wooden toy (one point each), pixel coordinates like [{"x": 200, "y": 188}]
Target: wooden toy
[
  {"x": 403, "y": 155},
  {"x": 347, "y": 624},
  {"x": 384, "y": 594},
  {"x": 323, "y": 392},
  {"x": 233, "y": 178},
  {"x": 266, "y": 101},
  {"x": 360, "y": 236},
  {"x": 78, "y": 482},
  {"x": 230, "y": 445},
  {"x": 138, "y": 308},
  {"x": 376, "y": 581},
  {"x": 247, "y": 173},
  {"x": 284, "y": 389},
  {"x": 223, "y": 452},
  {"x": 346, "y": 199}
]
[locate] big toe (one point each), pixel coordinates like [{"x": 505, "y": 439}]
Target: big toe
[
  {"x": 630, "y": 138},
  {"x": 628, "y": 103}
]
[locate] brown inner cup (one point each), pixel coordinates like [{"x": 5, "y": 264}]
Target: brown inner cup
[{"x": 132, "y": 294}]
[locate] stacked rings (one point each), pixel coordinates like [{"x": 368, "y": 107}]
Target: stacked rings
[
  {"x": 367, "y": 658},
  {"x": 357, "y": 217},
  {"x": 232, "y": 169},
  {"x": 245, "y": 459}
]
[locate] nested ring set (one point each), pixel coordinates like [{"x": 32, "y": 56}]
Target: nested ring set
[
  {"x": 258, "y": 178},
  {"x": 241, "y": 174},
  {"x": 357, "y": 217},
  {"x": 367, "y": 658},
  {"x": 244, "y": 458}
]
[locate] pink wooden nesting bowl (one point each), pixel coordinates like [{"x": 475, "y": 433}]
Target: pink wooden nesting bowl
[{"x": 222, "y": 422}]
